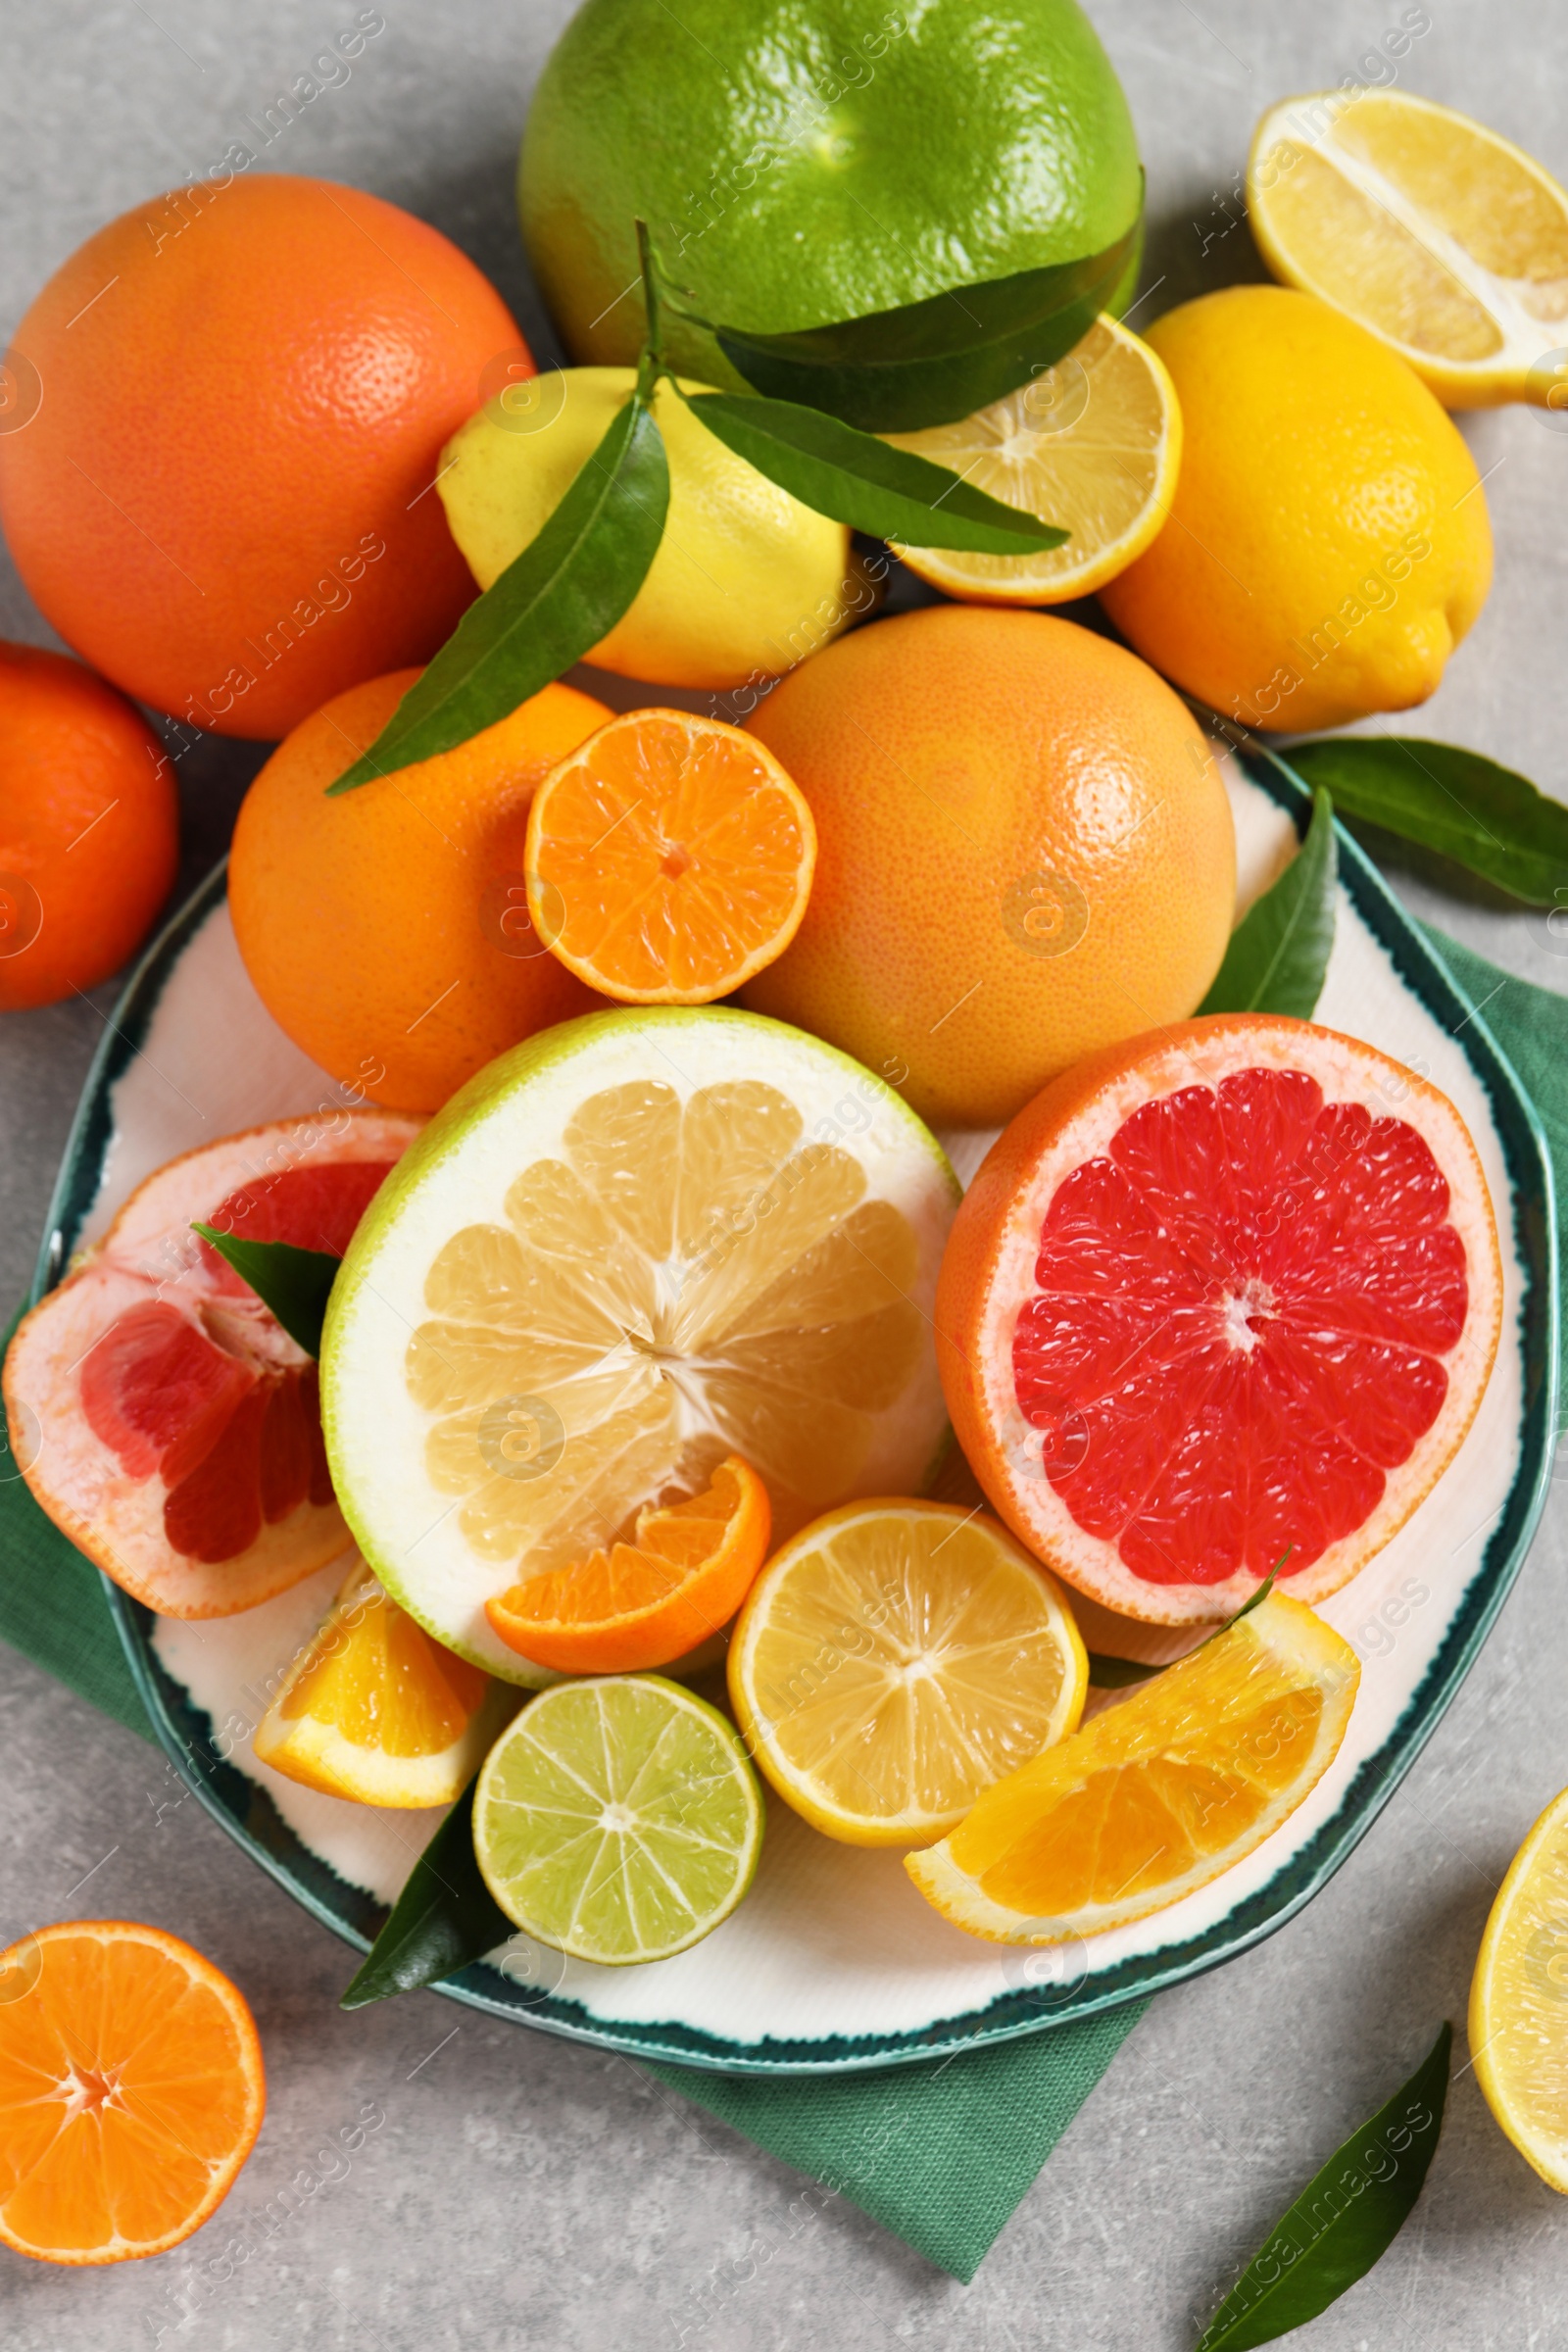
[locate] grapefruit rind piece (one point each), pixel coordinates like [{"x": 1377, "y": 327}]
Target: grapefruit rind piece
[
  {"x": 369, "y": 1671},
  {"x": 633, "y": 1246},
  {"x": 892, "y": 1660},
  {"x": 148, "y": 1253},
  {"x": 1199, "y": 1740},
  {"x": 988, "y": 1275},
  {"x": 1519, "y": 1999}
]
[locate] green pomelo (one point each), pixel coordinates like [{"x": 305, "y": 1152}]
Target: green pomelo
[{"x": 800, "y": 161}]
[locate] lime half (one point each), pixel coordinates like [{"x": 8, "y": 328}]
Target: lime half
[{"x": 618, "y": 1819}]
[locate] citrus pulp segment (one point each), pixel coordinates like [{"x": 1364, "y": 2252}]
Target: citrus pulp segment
[
  {"x": 669, "y": 858},
  {"x": 1093, "y": 444},
  {"x": 1224, "y": 1297},
  {"x": 1519, "y": 1999},
  {"x": 1157, "y": 1795},
  {"x": 631, "y": 1246},
  {"x": 374, "y": 1711},
  {"x": 649, "y": 1601},
  {"x": 1449, "y": 243},
  {"x": 617, "y": 1820},
  {"x": 894, "y": 1660},
  {"x": 177, "y": 1426},
  {"x": 132, "y": 2091}
]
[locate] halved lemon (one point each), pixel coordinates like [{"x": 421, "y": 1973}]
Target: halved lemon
[
  {"x": 373, "y": 1710},
  {"x": 1519, "y": 1999},
  {"x": 1093, "y": 444},
  {"x": 897, "y": 1658},
  {"x": 631, "y": 1248},
  {"x": 1157, "y": 1795},
  {"x": 1448, "y": 241}
]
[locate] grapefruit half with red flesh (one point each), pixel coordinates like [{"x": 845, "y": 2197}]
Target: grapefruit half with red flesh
[
  {"x": 169, "y": 1424},
  {"x": 1225, "y": 1294}
]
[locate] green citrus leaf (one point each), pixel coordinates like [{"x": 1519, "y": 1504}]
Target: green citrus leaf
[
  {"x": 1344, "y": 2219},
  {"x": 1280, "y": 949},
  {"x": 445, "y": 1917},
  {"x": 937, "y": 360},
  {"x": 856, "y": 479},
  {"x": 1485, "y": 818},
  {"x": 550, "y": 606},
  {"x": 292, "y": 1283}
]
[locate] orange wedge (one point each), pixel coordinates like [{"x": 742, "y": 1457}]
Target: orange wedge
[
  {"x": 669, "y": 858},
  {"x": 132, "y": 2091},
  {"x": 646, "y": 1603}
]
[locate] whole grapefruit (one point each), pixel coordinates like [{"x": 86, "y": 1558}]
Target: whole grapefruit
[
  {"x": 388, "y": 929},
  {"x": 89, "y": 827},
  {"x": 243, "y": 391},
  {"x": 1024, "y": 853}
]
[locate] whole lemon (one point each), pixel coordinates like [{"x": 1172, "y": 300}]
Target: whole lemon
[
  {"x": 1328, "y": 545},
  {"x": 800, "y": 161},
  {"x": 1024, "y": 853},
  {"x": 747, "y": 581}
]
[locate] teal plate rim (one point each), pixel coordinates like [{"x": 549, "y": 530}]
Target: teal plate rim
[{"x": 247, "y": 1812}]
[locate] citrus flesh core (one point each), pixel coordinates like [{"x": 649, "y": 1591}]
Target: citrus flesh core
[
  {"x": 850, "y": 164},
  {"x": 1093, "y": 444},
  {"x": 668, "y": 858},
  {"x": 618, "y": 1821},
  {"x": 1519, "y": 1999},
  {"x": 179, "y": 1426},
  {"x": 894, "y": 1660},
  {"x": 587, "y": 1294},
  {"x": 130, "y": 2091},
  {"x": 649, "y": 1601},
  {"x": 1444, "y": 240},
  {"x": 1157, "y": 1795},
  {"x": 746, "y": 579},
  {"x": 374, "y": 1711},
  {"x": 1328, "y": 543},
  {"x": 1238, "y": 1317}
]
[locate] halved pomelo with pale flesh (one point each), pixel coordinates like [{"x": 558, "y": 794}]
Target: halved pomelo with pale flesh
[
  {"x": 174, "y": 1428},
  {"x": 1179, "y": 1781},
  {"x": 631, "y": 1246},
  {"x": 1220, "y": 1299}
]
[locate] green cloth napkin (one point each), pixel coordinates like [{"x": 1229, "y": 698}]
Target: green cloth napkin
[{"x": 940, "y": 2153}]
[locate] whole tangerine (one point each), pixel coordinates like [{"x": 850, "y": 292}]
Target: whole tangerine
[
  {"x": 1024, "y": 853},
  {"x": 242, "y": 392},
  {"x": 386, "y": 929},
  {"x": 89, "y": 827}
]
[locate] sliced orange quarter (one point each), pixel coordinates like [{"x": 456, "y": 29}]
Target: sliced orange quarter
[
  {"x": 1158, "y": 1793},
  {"x": 132, "y": 2091},
  {"x": 646, "y": 1603},
  {"x": 669, "y": 858}
]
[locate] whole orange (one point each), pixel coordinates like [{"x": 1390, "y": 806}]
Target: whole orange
[
  {"x": 89, "y": 827},
  {"x": 1024, "y": 852},
  {"x": 388, "y": 929},
  {"x": 242, "y": 391}
]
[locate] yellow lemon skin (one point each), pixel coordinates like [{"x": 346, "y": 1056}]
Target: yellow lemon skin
[
  {"x": 1328, "y": 545},
  {"x": 747, "y": 581}
]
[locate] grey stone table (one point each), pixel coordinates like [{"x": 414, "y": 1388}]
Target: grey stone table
[{"x": 518, "y": 2190}]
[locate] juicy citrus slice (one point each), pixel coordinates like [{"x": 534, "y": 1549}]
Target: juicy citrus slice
[
  {"x": 1449, "y": 243},
  {"x": 1093, "y": 444},
  {"x": 894, "y": 1660},
  {"x": 1220, "y": 1297},
  {"x": 174, "y": 1427},
  {"x": 1519, "y": 1999},
  {"x": 617, "y": 1820},
  {"x": 634, "y": 1245},
  {"x": 373, "y": 1710},
  {"x": 130, "y": 2091},
  {"x": 669, "y": 858},
  {"x": 1158, "y": 1793},
  {"x": 649, "y": 1601}
]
